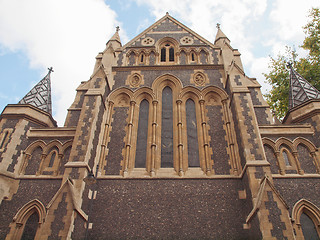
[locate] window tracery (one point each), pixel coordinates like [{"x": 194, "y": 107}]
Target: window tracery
[
  {"x": 142, "y": 135},
  {"x": 192, "y": 134},
  {"x": 186, "y": 40},
  {"x": 148, "y": 41},
  {"x": 45, "y": 159},
  {"x": 4, "y": 139},
  {"x": 288, "y": 160},
  {"x": 168, "y": 125},
  {"x": 306, "y": 220},
  {"x": 167, "y": 129},
  {"x": 167, "y": 52},
  {"x": 27, "y": 223}
]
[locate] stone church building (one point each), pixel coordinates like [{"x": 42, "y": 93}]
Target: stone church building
[{"x": 168, "y": 139}]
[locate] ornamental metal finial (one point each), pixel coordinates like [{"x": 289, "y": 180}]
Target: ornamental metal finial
[
  {"x": 117, "y": 28},
  {"x": 218, "y": 25},
  {"x": 50, "y": 70}
]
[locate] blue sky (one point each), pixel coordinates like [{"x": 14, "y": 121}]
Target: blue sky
[{"x": 68, "y": 34}]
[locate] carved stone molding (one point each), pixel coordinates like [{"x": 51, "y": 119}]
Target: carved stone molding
[
  {"x": 148, "y": 41},
  {"x": 186, "y": 40}
]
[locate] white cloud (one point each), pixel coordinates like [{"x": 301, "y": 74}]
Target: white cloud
[
  {"x": 203, "y": 15},
  {"x": 259, "y": 29},
  {"x": 65, "y": 34},
  {"x": 290, "y": 16},
  {"x": 68, "y": 34},
  {"x": 258, "y": 67}
]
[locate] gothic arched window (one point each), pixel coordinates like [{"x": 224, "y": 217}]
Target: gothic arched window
[
  {"x": 4, "y": 139},
  {"x": 27, "y": 223},
  {"x": 192, "y": 134},
  {"x": 167, "y": 52},
  {"x": 171, "y": 54},
  {"x": 286, "y": 158},
  {"x": 31, "y": 227},
  {"x": 203, "y": 57},
  {"x": 308, "y": 228},
  {"x": 52, "y": 158},
  {"x": 142, "y": 135},
  {"x": 306, "y": 218},
  {"x": 142, "y": 58},
  {"x": 132, "y": 59},
  {"x": 167, "y": 129},
  {"x": 193, "y": 57},
  {"x": 33, "y": 162},
  {"x": 50, "y": 164},
  {"x": 163, "y": 54}
]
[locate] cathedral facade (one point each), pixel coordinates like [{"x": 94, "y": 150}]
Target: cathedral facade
[{"x": 168, "y": 139}]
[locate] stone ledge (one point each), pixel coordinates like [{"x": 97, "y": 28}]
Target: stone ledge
[
  {"x": 286, "y": 129},
  {"x": 59, "y": 132}
]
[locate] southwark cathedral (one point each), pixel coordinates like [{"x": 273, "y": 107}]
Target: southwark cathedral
[{"x": 168, "y": 139}]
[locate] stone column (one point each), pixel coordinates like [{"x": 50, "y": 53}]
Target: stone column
[
  {"x": 295, "y": 155},
  {"x": 205, "y": 137},
  {"x": 314, "y": 157},
  {"x": 281, "y": 164},
  {"x": 180, "y": 144},
  {"x": 60, "y": 156},
  {"x": 41, "y": 166},
  {"x": 128, "y": 146},
  {"x": 154, "y": 130},
  {"x": 105, "y": 135},
  {"x": 230, "y": 138}
]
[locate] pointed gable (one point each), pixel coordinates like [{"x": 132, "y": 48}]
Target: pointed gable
[
  {"x": 40, "y": 95},
  {"x": 169, "y": 27},
  {"x": 116, "y": 36},
  {"x": 220, "y": 35},
  {"x": 300, "y": 89}
]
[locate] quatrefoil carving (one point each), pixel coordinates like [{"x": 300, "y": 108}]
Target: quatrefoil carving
[
  {"x": 148, "y": 41},
  {"x": 186, "y": 40}
]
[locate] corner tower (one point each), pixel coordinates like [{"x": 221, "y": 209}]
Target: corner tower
[{"x": 178, "y": 142}]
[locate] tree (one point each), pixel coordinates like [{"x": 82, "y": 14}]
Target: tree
[{"x": 308, "y": 67}]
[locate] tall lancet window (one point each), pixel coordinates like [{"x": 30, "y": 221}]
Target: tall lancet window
[
  {"x": 167, "y": 129},
  {"x": 142, "y": 136},
  {"x": 163, "y": 54},
  {"x": 167, "y": 52},
  {"x": 308, "y": 228},
  {"x": 4, "y": 139},
  {"x": 171, "y": 54},
  {"x": 31, "y": 227},
  {"x": 192, "y": 134}
]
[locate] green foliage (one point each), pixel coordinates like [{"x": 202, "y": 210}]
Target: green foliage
[
  {"x": 312, "y": 31},
  {"x": 278, "y": 78},
  {"x": 308, "y": 67}
]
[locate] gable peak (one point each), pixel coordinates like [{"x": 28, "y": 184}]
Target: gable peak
[
  {"x": 166, "y": 24},
  {"x": 116, "y": 36},
  {"x": 220, "y": 34}
]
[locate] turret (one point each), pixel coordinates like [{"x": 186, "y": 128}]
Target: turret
[
  {"x": 304, "y": 99},
  {"x": 108, "y": 57},
  {"x": 229, "y": 54}
]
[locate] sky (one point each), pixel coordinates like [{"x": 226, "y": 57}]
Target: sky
[{"x": 68, "y": 34}]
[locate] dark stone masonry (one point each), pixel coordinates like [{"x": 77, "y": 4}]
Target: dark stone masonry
[{"x": 168, "y": 139}]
